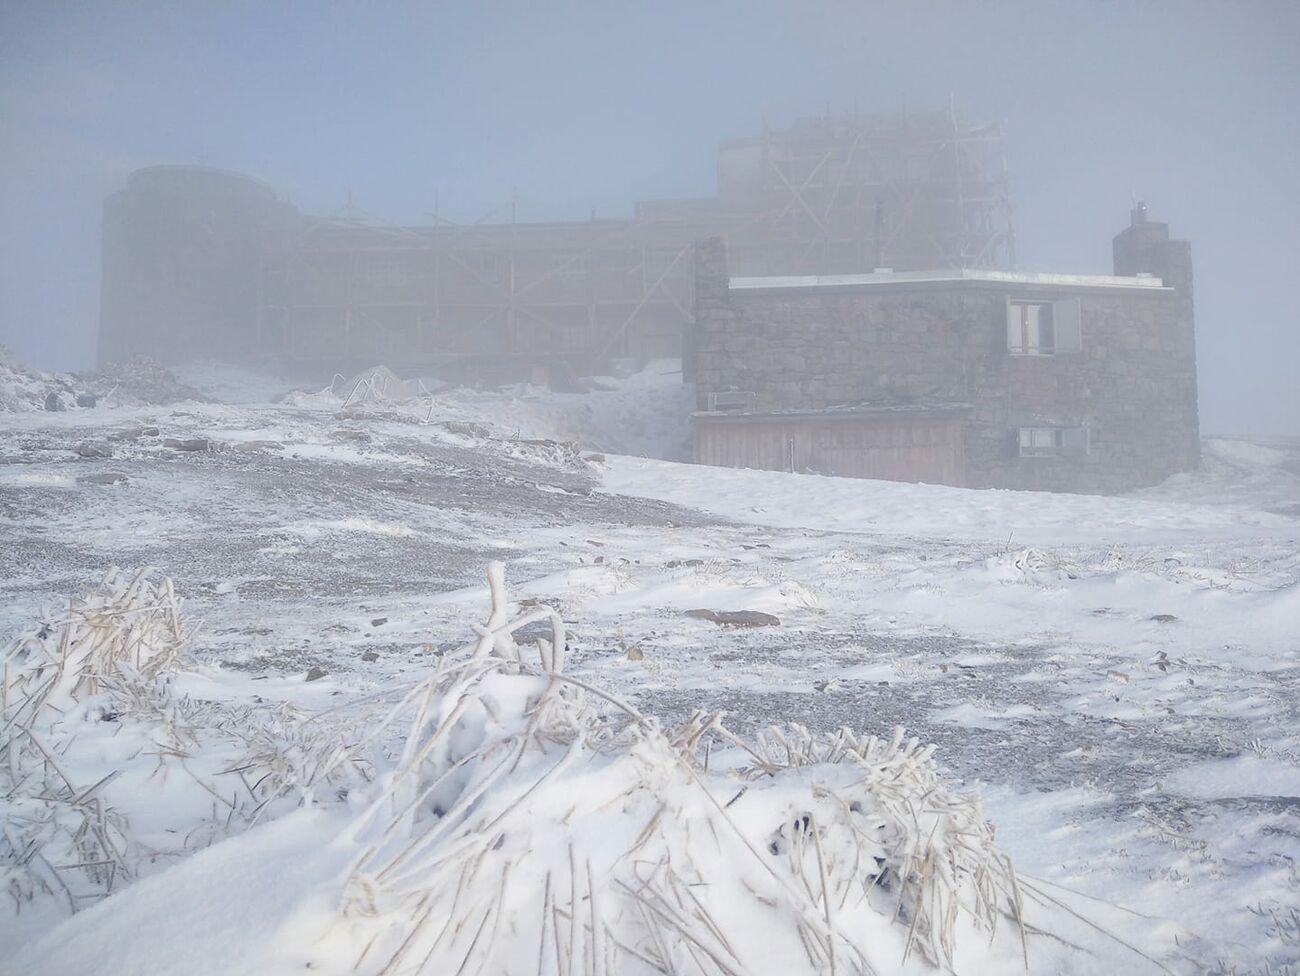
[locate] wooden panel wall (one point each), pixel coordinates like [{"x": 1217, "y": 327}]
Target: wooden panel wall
[{"x": 916, "y": 449}]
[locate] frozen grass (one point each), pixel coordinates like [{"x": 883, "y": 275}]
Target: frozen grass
[
  {"x": 520, "y": 820},
  {"x": 91, "y": 691},
  {"x": 108, "y": 649},
  {"x": 536, "y": 823}
]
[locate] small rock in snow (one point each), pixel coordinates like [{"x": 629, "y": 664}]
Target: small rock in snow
[
  {"x": 187, "y": 443},
  {"x": 133, "y": 433},
  {"x": 315, "y": 674},
  {"x": 103, "y": 478},
  {"x": 350, "y": 435},
  {"x": 736, "y": 618}
]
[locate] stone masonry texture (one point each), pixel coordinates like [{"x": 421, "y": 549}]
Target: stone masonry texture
[{"x": 1133, "y": 385}]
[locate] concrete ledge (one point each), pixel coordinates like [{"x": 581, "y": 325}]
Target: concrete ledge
[{"x": 961, "y": 276}]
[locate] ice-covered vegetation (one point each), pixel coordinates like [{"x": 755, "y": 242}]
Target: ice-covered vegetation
[
  {"x": 514, "y": 819},
  {"x": 107, "y": 771}
]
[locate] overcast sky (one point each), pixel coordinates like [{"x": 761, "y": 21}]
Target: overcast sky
[{"x": 1191, "y": 106}]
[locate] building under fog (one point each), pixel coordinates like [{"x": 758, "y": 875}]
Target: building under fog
[
  {"x": 970, "y": 377},
  {"x": 203, "y": 262},
  {"x": 852, "y": 309}
]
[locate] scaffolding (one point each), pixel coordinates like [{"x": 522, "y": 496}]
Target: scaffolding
[
  {"x": 479, "y": 294},
  {"x": 848, "y": 194},
  {"x": 831, "y": 195}
]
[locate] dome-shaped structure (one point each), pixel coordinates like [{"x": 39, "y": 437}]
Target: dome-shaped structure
[{"x": 184, "y": 253}]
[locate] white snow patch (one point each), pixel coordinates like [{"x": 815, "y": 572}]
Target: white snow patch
[{"x": 1240, "y": 776}]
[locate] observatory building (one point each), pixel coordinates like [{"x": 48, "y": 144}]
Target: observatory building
[
  {"x": 847, "y": 303},
  {"x": 202, "y": 262}
]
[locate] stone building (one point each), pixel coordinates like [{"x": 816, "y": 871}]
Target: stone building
[
  {"x": 977, "y": 378},
  {"x": 203, "y": 262}
]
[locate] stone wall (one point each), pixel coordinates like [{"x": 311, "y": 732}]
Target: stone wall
[{"x": 1133, "y": 385}]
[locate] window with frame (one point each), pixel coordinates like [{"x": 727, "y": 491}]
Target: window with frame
[
  {"x": 731, "y": 401},
  {"x": 1053, "y": 441},
  {"x": 1037, "y": 328}
]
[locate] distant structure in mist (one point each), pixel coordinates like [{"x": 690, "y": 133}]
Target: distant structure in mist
[
  {"x": 200, "y": 262},
  {"x": 845, "y": 304},
  {"x": 186, "y": 254}
]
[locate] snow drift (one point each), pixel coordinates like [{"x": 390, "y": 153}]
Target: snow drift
[
  {"x": 108, "y": 773},
  {"x": 525, "y": 821}
]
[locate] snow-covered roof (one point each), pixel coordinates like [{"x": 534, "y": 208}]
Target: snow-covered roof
[
  {"x": 800, "y": 282},
  {"x": 844, "y": 411}
]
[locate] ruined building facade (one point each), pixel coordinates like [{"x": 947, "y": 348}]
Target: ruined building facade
[
  {"x": 200, "y": 262},
  {"x": 965, "y": 377}
]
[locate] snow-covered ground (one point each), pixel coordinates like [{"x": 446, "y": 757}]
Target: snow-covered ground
[{"x": 1116, "y": 678}]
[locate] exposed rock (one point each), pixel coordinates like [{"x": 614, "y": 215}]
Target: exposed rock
[
  {"x": 315, "y": 674},
  {"x": 143, "y": 381},
  {"x": 86, "y": 399},
  {"x": 133, "y": 433},
  {"x": 192, "y": 444},
  {"x": 1163, "y": 618},
  {"x": 54, "y": 402},
  {"x": 736, "y": 618},
  {"x": 369, "y": 656},
  {"x": 350, "y": 435},
  {"x": 378, "y": 621},
  {"x": 94, "y": 449},
  {"x": 103, "y": 478}
]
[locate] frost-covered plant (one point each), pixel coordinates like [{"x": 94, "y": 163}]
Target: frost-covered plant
[
  {"x": 69, "y": 671},
  {"x": 523, "y": 820},
  {"x": 126, "y": 629},
  {"x": 534, "y": 822},
  {"x": 103, "y": 672}
]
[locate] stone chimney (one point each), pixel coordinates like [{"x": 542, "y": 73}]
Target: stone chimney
[
  {"x": 712, "y": 312},
  {"x": 1144, "y": 247}
]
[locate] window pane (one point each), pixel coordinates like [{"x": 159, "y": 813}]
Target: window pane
[
  {"x": 1031, "y": 327},
  {"x": 1015, "y": 330}
]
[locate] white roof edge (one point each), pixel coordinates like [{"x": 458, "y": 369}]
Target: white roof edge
[{"x": 936, "y": 277}]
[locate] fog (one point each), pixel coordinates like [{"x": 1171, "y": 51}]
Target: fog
[{"x": 575, "y": 108}]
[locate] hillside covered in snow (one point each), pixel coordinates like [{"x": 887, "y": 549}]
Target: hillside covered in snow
[{"x": 328, "y": 742}]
